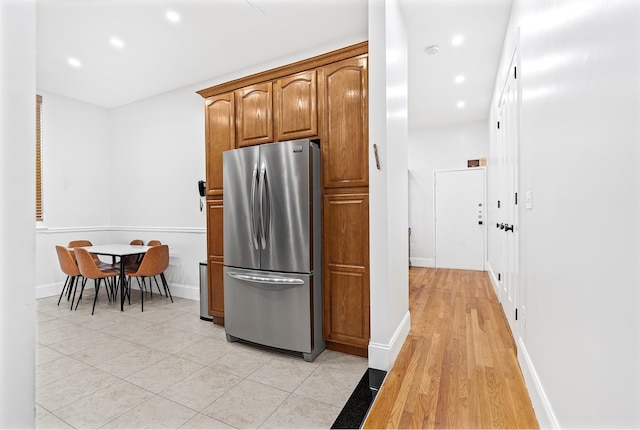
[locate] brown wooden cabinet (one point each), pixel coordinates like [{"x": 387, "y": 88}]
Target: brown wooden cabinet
[
  {"x": 346, "y": 269},
  {"x": 220, "y": 136},
  {"x": 345, "y": 136},
  {"x": 322, "y": 97},
  {"x": 295, "y": 106},
  {"x": 254, "y": 120},
  {"x": 215, "y": 259}
]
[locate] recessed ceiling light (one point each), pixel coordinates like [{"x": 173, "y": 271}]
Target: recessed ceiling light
[
  {"x": 118, "y": 43},
  {"x": 457, "y": 40},
  {"x": 459, "y": 79},
  {"x": 172, "y": 16},
  {"x": 432, "y": 50},
  {"x": 74, "y": 62},
  {"x": 461, "y": 104}
]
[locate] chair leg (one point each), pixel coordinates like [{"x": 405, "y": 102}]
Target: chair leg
[
  {"x": 97, "y": 287},
  {"x": 144, "y": 283},
  {"x": 64, "y": 287},
  {"x": 84, "y": 281},
  {"x": 156, "y": 279},
  {"x": 74, "y": 285},
  {"x": 166, "y": 286},
  {"x": 128, "y": 285}
]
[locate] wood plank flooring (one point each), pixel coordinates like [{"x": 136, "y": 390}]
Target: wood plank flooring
[{"x": 458, "y": 366}]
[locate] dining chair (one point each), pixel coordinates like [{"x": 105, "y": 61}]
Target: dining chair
[
  {"x": 153, "y": 243},
  {"x": 133, "y": 260},
  {"x": 70, "y": 268},
  {"x": 90, "y": 270},
  {"x": 101, "y": 264},
  {"x": 154, "y": 262}
]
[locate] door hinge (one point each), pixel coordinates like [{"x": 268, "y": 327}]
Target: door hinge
[
  {"x": 516, "y": 314},
  {"x": 499, "y": 277},
  {"x": 516, "y": 198},
  {"x": 498, "y": 125},
  {"x": 515, "y": 73},
  {"x": 498, "y": 204}
]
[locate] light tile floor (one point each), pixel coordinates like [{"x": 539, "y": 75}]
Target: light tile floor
[{"x": 166, "y": 368}]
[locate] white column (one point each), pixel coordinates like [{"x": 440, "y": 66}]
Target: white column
[
  {"x": 388, "y": 186},
  {"x": 17, "y": 214}
]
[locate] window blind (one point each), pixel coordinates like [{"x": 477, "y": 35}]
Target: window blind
[{"x": 38, "y": 159}]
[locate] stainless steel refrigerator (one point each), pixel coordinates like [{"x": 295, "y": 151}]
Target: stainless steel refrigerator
[{"x": 272, "y": 253}]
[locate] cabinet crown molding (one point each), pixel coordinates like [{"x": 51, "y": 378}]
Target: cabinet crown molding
[{"x": 289, "y": 69}]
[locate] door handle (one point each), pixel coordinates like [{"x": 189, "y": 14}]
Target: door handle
[
  {"x": 502, "y": 226},
  {"x": 262, "y": 205},
  {"x": 266, "y": 279},
  {"x": 254, "y": 184},
  {"x": 508, "y": 228}
]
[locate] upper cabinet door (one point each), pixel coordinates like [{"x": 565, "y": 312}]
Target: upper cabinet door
[
  {"x": 221, "y": 136},
  {"x": 345, "y": 118},
  {"x": 254, "y": 120},
  {"x": 295, "y": 107}
]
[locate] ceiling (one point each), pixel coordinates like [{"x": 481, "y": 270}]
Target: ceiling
[{"x": 214, "y": 38}]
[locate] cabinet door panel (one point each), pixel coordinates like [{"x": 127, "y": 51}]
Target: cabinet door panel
[
  {"x": 348, "y": 298},
  {"x": 215, "y": 228},
  {"x": 346, "y": 268},
  {"x": 220, "y": 137},
  {"x": 295, "y": 107},
  {"x": 216, "y": 290},
  {"x": 343, "y": 92},
  {"x": 215, "y": 251},
  {"x": 254, "y": 120}
]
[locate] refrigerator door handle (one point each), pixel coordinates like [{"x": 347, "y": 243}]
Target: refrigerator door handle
[
  {"x": 263, "y": 205},
  {"x": 254, "y": 184},
  {"x": 266, "y": 279}
]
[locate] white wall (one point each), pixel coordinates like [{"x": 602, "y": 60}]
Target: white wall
[
  {"x": 76, "y": 172},
  {"x": 431, "y": 149},
  {"x": 157, "y": 146},
  {"x": 579, "y": 343},
  {"x": 17, "y": 214},
  {"x": 388, "y": 188}
]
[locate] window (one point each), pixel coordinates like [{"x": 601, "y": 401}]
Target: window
[{"x": 38, "y": 159}]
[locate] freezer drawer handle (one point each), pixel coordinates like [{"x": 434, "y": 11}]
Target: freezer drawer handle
[{"x": 266, "y": 279}]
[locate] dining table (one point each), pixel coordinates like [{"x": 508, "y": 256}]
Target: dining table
[{"x": 122, "y": 251}]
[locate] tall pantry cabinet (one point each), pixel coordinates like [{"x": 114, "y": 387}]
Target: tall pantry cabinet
[{"x": 325, "y": 98}]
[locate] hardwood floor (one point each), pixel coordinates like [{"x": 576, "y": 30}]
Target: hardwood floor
[{"x": 458, "y": 366}]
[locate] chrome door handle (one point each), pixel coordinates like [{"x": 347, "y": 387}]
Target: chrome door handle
[
  {"x": 261, "y": 197},
  {"x": 254, "y": 183},
  {"x": 266, "y": 279}
]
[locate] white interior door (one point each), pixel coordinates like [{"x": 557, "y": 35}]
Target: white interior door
[
  {"x": 508, "y": 167},
  {"x": 460, "y": 219}
]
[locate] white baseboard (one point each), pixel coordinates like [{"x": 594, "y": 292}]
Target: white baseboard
[
  {"x": 382, "y": 356},
  {"x": 492, "y": 277},
  {"x": 48, "y": 290},
  {"x": 541, "y": 405},
  {"x": 422, "y": 262}
]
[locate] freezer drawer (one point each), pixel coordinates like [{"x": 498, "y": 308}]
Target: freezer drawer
[{"x": 270, "y": 308}]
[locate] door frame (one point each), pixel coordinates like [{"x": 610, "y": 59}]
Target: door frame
[
  {"x": 508, "y": 192},
  {"x": 485, "y": 213}
]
